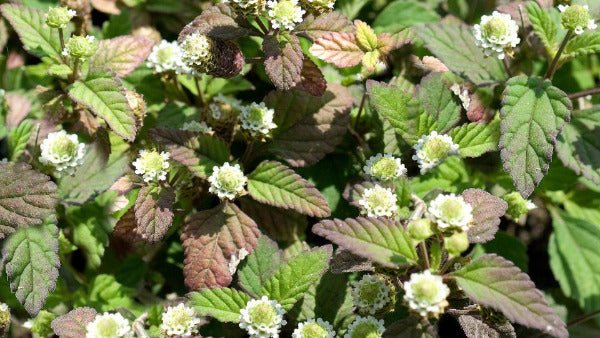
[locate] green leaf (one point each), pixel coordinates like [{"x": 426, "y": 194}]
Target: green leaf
[
  {"x": 27, "y": 197},
  {"x": 475, "y": 139},
  {"x": 543, "y": 25},
  {"x": 60, "y": 71},
  {"x": 292, "y": 279},
  {"x": 103, "y": 94},
  {"x": 122, "y": 54},
  {"x": 105, "y": 293},
  {"x": 18, "y": 139},
  {"x": 154, "y": 212},
  {"x": 455, "y": 46},
  {"x": 574, "y": 258},
  {"x": 259, "y": 266},
  {"x": 494, "y": 282},
  {"x": 578, "y": 144},
  {"x": 274, "y": 184},
  {"x": 381, "y": 240},
  {"x": 36, "y": 36},
  {"x": 30, "y": 257},
  {"x": 533, "y": 113},
  {"x": 402, "y": 110},
  {"x": 284, "y": 226},
  {"x": 439, "y": 102},
  {"x": 584, "y": 44},
  {"x": 223, "y": 304},
  {"x": 401, "y": 13}
]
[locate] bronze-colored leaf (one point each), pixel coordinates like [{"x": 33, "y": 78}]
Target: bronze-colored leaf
[
  {"x": 154, "y": 212},
  {"x": 283, "y": 61}
]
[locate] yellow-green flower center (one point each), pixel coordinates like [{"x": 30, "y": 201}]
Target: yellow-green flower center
[
  {"x": 263, "y": 314},
  {"x": 385, "y": 168},
  {"x": 81, "y": 47},
  {"x": 152, "y": 161},
  {"x": 58, "y": 17},
  {"x": 425, "y": 290},
  {"x": 575, "y": 16},
  {"x": 451, "y": 209},
  {"x": 378, "y": 198},
  {"x": 64, "y": 146},
  {"x": 436, "y": 148},
  {"x": 107, "y": 327},
  {"x": 496, "y": 28},
  {"x": 365, "y": 330},
  {"x": 369, "y": 292},
  {"x": 313, "y": 330},
  {"x": 284, "y": 9}
]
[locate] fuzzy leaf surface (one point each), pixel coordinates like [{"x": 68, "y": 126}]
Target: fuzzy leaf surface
[
  {"x": 314, "y": 27},
  {"x": 475, "y": 139},
  {"x": 543, "y": 26},
  {"x": 73, "y": 324},
  {"x": 341, "y": 49},
  {"x": 312, "y": 80},
  {"x": 122, "y": 54},
  {"x": 439, "y": 102},
  {"x": 223, "y": 304},
  {"x": 254, "y": 272},
  {"x": 476, "y": 327},
  {"x": 584, "y": 44},
  {"x": 487, "y": 210},
  {"x": 19, "y": 138},
  {"x": 286, "y": 226},
  {"x": 283, "y": 61},
  {"x": 154, "y": 212}
]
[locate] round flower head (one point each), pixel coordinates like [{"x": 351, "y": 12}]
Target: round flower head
[
  {"x": 197, "y": 51},
  {"x": 108, "y": 325},
  {"x": 248, "y": 7},
  {"x": 59, "y": 17},
  {"x": 257, "y": 119},
  {"x": 318, "y": 6},
  {"x": 152, "y": 165},
  {"x": 262, "y": 318},
  {"x": 426, "y": 294},
  {"x": 497, "y": 34},
  {"x": 166, "y": 57},
  {"x": 378, "y": 202},
  {"x": 517, "y": 205},
  {"x": 431, "y": 150},
  {"x": 576, "y": 18},
  {"x": 365, "y": 327},
  {"x": 81, "y": 47},
  {"x": 451, "y": 212},
  {"x": 384, "y": 167},
  {"x": 227, "y": 181},
  {"x": 179, "y": 321},
  {"x": 370, "y": 294},
  {"x": 314, "y": 329},
  {"x": 198, "y": 127},
  {"x": 62, "y": 151},
  {"x": 284, "y": 14}
]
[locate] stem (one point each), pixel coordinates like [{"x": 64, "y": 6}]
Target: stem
[
  {"x": 506, "y": 66},
  {"x": 360, "y": 109},
  {"x": 200, "y": 94},
  {"x": 75, "y": 70},
  {"x": 584, "y": 93},
  {"x": 554, "y": 65},
  {"x": 425, "y": 255},
  {"x": 447, "y": 265},
  {"x": 248, "y": 152},
  {"x": 583, "y": 318},
  {"x": 62, "y": 42}
]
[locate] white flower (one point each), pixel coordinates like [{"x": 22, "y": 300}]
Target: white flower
[
  {"x": 378, "y": 202},
  {"x": 262, "y": 318},
  {"x": 224, "y": 107},
  {"x": 227, "y": 181},
  {"x": 314, "y": 329},
  {"x": 384, "y": 167},
  {"x": 370, "y": 294},
  {"x": 256, "y": 118},
  {"x": 166, "y": 57},
  {"x": 365, "y": 327},
  {"x": 236, "y": 259},
  {"x": 63, "y": 152},
  {"x": 431, "y": 150},
  {"x": 198, "y": 127},
  {"x": 249, "y": 7},
  {"x": 319, "y": 6},
  {"x": 426, "y": 294},
  {"x": 451, "y": 212},
  {"x": 284, "y": 14},
  {"x": 577, "y": 18},
  {"x": 108, "y": 325},
  {"x": 3, "y": 307},
  {"x": 197, "y": 49},
  {"x": 463, "y": 95},
  {"x": 496, "y": 34},
  {"x": 152, "y": 165},
  {"x": 178, "y": 321}
]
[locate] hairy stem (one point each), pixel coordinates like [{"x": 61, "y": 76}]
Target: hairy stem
[
  {"x": 584, "y": 93},
  {"x": 360, "y": 108},
  {"x": 200, "y": 96},
  {"x": 423, "y": 249},
  {"x": 554, "y": 64}
]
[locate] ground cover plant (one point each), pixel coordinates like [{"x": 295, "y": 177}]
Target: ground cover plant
[{"x": 299, "y": 168}]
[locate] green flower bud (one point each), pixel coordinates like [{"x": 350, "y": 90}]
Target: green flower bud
[
  {"x": 457, "y": 243},
  {"x": 517, "y": 205},
  {"x": 576, "y": 18},
  {"x": 81, "y": 47},
  {"x": 59, "y": 17},
  {"x": 41, "y": 324},
  {"x": 420, "y": 229}
]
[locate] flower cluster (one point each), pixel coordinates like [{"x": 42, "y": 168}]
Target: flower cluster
[
  {"x": 284, "y": 14},
  {"x": 384, "y": 167},
  {"x": 167, "y": 57},
  {"x": 426, "y": 294},
  {"x": 431, "y": 150},
  {"x": 318, "y": 6},
  {"x": 365, "y": 327},
  {"x": 227, "y": 181},
  {"x": 197, "y": 127},
  {"x": 497, "y": 34},
  {"x": 59, "y": 17},
  {"x": 81, "y": 47},
  {"x": 62, "y": 151},
  {"x": 197, "y": 52},
  {"x": 248, "y": 7},
  {"x": 179, "y": 321},
  {"x": 152, "y": 165},
  {"x": 451, "y": 212},
  {"x": 257, "y": 119},
  {"x": 370, "y": 294},
  {"x": 108, "y": 325},
  {"x": 576, "y": 18},
  {"x": 378, "y": 202},
  {"x": 517, "y": 205},
  {"x": 262, "y": 318},
  {"x": 314, "y": 329}
]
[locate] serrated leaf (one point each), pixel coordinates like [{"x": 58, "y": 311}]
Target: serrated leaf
[
  {"x": 309, "y": 127},
  {"x": 259, "y": 266},
  {"x": 73, "y": 324},
  {"x": 339, "y": 48},
  {"x": 280, "y": 225},
  {"x": 27, "y": 197},
  {"x": 199, "y": 153},
  {"x": 475, "y": 139},
  {"x": 36, "y": 36},
  {"x": 439, "y": 102},
  {"x": 292, "y": 279},
  {"x": 223, "y": 304},
  {"x": 574, "y": 255},
  {"x": 283, "y": 61},
  {"x": 532, "y": 115},
  {"x": 578, "y": 144},
  {"x": 274, "y": 184},
  {"x": 543, "y": 26},
  {"x": 495, "y": 282},
  {"x": 210, "y": 238},
  {"x": 312, "y": 80},
  {"x": 18, "y": 139},
  {"x": 313, "y": 27},
  {"x": 584, "y": 44},
  {"x": 365, "y": 36},
  {"x": 103, "y": 94},
  {"x": 383, "y": 241},
  {"x": 476, "y": 327},
  {"x": 487, "y": 210},
  {"x": 154, "y": 212},
  {"x": 218, "y": 21},
  {"x": 455, "y": 46},
  {"x": 122, "y": 54},
  {"x": 401, "y": 110},
  {"x": 30, "y": 258}
]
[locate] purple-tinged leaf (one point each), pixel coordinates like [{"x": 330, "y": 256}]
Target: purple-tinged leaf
[
  {"x": 218, "y": 22},
  {"x": 312, "y": 80},
  {"x": 279, "y": 224},
  {"x": 476, "y": 327},
  {"x": 122, "y": 54},
  {"x": 390, "y": 42},
  {"x": 314, "y": 27},
  {"x": 154, "y": 212},
  {"x": 283, "y": 61},
  {"x": 341, "y": 49},
  {"x": 353, "y": 192},
  {"x": 487, "y": 210},
  {"x": 344, "y": 261},
  {"x": 73, "y": 324},
  {"x": 106, "y": 6},
  {"x": 18, "y": 108}
]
